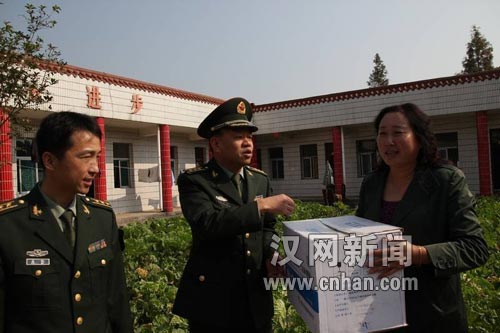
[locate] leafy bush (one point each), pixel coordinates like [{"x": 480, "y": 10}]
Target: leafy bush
[
  {"x": 481, "y": 286},
  {"x": 156, "y": 252},
  {"x": 155, "y": 255}
]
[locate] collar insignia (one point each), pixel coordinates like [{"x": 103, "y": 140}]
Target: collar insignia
[{"x": 36, "y": 211}]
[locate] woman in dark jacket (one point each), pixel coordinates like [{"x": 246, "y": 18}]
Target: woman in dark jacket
[{"x": 431, "y": 201}]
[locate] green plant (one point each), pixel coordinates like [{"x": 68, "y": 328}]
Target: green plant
[
  {"x": 155, "y": 255},
  {"x": 156, "y": 252},
  {"x": 481, "y": 286}
]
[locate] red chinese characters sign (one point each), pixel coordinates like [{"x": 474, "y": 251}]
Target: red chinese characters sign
[
  {"x": 136, "y": 103},
  {"x": 93, "y": 97}
]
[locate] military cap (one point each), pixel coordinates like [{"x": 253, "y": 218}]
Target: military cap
[{"x": 235, "y": 112}]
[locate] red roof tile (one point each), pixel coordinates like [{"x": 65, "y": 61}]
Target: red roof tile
[
  {"x": 130, "y": 83},
  {"x": 391, "y": 89}
]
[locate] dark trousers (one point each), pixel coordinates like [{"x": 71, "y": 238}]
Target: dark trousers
[{"x": 197, "y": 327}]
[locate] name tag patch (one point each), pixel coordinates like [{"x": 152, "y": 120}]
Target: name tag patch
[{"x": 37, "y": 261}]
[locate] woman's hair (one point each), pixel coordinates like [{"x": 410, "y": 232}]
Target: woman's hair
[{"x": 420, "y": 124}]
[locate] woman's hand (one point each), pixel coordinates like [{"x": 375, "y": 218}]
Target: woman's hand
[{"x": 386, "y": 263}]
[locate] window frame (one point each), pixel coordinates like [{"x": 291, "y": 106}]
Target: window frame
[
  {"x": 311, "y": 160},
  {"x": 361, "y": 153},
  {"x": 119, "y": 169},
  {"x": 37, "y": 172},
  {"x": 277, "y": 163}
]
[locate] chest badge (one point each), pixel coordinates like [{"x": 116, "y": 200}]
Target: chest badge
[
  {"x": 96, "y": 246},
  {"x": 37, "y": 253}
]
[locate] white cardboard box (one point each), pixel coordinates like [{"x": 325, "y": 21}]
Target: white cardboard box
[{"x": 341, "y": 299}]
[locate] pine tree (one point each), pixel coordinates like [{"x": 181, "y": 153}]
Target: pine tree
[
  {"x": 378, "y": 77},
  {"x": 479, "y": 56}
]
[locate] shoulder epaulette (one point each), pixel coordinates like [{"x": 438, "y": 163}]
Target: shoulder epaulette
[
  {"x": 256, "y": 170},
  {"x": 97, "y": 202},
  {"x": 195, "y": 170},
  {"x": 12, "y": 205}
]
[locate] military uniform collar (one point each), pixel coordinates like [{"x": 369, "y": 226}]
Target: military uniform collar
[
  {"x": 229, "y": 173},
  {"x": 55, "y": 208}
]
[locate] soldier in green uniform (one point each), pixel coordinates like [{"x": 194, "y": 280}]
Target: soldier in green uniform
[
  {"x": 61, "y": 267},
  {"x": 230, "y": 211}
]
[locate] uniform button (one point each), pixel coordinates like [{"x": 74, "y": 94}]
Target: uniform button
[
  {"x": 249, "y": 271},
  {"x": 87, "y": 199},
  {"x": 103, "y": 262},
  {"x": 247, "y": 235},
  {"x": 38, "y": 272},
  {"x": 201, "y": 278},
  {"x": 21, "y": 201},
  {"x": 78, "y": 297},
  {"x": 79, "y": 321},
  {"x": 249, "y": 253},
  {"x": 77, "y": 274}
]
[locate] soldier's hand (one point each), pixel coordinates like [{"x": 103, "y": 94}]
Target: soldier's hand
[{"x": 276, "y": 204}]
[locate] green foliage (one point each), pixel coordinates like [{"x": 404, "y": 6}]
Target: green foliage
[
  {"x": 378, "y": 76},
  {"x": 156, "y": 252},
  {"x": 481, "y": 286},
  {"x": 23, "y": 82},
  {"x": 155, "y": 255},
  {"x": 479, "y": 55}
]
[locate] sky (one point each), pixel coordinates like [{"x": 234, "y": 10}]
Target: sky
[{"x": 266, "y": 50}]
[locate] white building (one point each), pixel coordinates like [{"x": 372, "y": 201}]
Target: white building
[{"x": 150, "y": 134}]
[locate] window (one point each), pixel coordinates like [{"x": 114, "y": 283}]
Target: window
[
  {"x": 121, "y": 164},
  {"x": 174, "y": 164},
  {"x": 28, "y": 172},
  {"x": 448, "y": 146},
  {"x": 366, "y": 151},
  {"x": 277, "y": 167},
  {"x": 309, "y": 161},
  {"x": 199, "y": 156}
]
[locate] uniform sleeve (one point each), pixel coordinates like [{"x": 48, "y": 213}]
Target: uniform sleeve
[
  {"x": 210, "y": 220},
  {"x": 118, "y": 300},
  {"x": 466, "y": 248}
]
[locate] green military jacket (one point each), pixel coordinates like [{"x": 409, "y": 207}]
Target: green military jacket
[
  {"x": 222, "y": 283},
  {"x": 437, "y": 211},
  {"x": 46, "y": 288}
]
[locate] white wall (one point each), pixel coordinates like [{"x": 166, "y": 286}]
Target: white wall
[
  {"x": 467, "y": 97},
  {"x": 140, "y": 196},
  {"x": 292, "y": 184}
]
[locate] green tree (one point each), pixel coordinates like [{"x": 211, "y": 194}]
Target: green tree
[
  {"x": 378, "y": 77},
  {"x": 25, "y": 60},
  {"x": 479, "y": 56}
]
